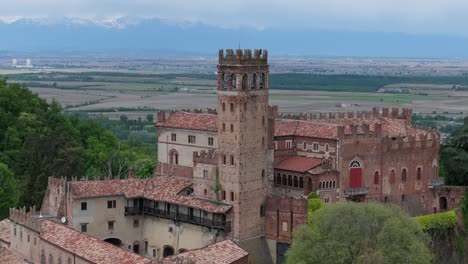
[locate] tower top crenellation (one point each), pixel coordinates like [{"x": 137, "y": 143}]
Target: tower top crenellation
[{"x": 243, "y": 57}]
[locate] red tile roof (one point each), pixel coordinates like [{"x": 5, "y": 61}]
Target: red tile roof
[
  {"x": 5, "y": 226},
  {"x": 285, "y": 127},
  {"x": 9, "y": 257},
  {"x": 87, "y": 247},
  {"x": 165, "y": 189},
  {"x": 298, "y": 164},
  {"x": 195, "y": 121},
  {"x": 225, "y": 252}
]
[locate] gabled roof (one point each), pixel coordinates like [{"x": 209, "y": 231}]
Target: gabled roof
[
  {"x": 9, "y": 257},
  {"x": 224, "y": 252},
  {"x": 164, "y": 189},
  {"x": 289, "y": 127},
  {"x": 298, "y": 164},
  {"x": 87, "y": 247},
  {"x": 195, "y": 121}
]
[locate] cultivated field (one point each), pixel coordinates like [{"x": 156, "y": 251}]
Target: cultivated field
[{"x": 138, "y": 94}]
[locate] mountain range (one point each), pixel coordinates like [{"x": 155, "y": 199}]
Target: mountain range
[{"x": 127, "y": 34}]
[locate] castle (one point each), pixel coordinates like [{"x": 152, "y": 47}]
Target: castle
[{"x": 238, "y": 178}]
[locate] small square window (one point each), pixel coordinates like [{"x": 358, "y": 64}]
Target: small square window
[
  {"x": 110, "y": 225},
  {"x": 84, "y": 228},
  {"x": 191, "y": 139},
  {"x": 136, "y": 223},
  {"x": 173, "y": 137},
  {"x": 111, "y": 204},
  {"x": 84, "y": 206}
]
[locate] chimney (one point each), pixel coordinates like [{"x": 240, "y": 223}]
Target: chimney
[
  {"x": 161, "y": 117},
  {"x": 131, "y": 173}
]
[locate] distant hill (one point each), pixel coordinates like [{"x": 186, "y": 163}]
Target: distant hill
[{"x": 154, "y": 35}]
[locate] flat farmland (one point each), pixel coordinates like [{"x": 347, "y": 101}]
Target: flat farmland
[{"x": 136, "y": 95}]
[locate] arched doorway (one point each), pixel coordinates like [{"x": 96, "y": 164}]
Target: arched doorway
[
  {"x": 168, "y": 251},
  {"x": 355, "y": 174},
  {"x": 114, "y": 241},
  {"x": 442, "y": 203}
]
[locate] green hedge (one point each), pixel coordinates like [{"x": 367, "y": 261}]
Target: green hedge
[{"x": 445, "y": 220}]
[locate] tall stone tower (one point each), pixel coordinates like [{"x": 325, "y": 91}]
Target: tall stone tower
[{"x": 245, "y": 137}]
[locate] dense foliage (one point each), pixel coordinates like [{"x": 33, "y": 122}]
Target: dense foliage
[
  {"x": 454, "y": 157},
  {"x": 38, "y": 141},
  {"x": 359, "y": 233},
  {"x": 9, "y": 193},
  {"x": 446, "y": 220}
]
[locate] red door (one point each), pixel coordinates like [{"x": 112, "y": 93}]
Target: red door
[{"x": 355, "y": 180}]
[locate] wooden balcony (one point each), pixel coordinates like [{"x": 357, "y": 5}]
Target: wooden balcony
[
  {"x": 176, "y": 216},
  {"x": 356, "y": 191}
]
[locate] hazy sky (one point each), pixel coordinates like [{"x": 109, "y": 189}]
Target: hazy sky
[{"x": 411, "y": 16}]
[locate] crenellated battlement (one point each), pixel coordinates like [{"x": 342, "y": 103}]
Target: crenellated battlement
[
  {"x": 396, "y": 113},
  {"x": 361, "y": 131},
  {"x": 243, "y": 57},
  {"x": 57, "y": 182},
  {"x": 205, "y": 157},
  {"x": 27, "y": 219}
]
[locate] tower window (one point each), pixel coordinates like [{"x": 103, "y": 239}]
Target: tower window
[
  {"x": 392, "y": 176},
  {"x": 224, "y": 127},
  {"x": 232, "y": 160},
  {"x": 224, "y": 106},
  {"x": 224, "y": 159},
  {"x": 232, "y": 128},
  {"x": 232, "y": 107},
  {"x": 253, "y": 82},
  {"x": 232, "y": 196},
  {"x": 376, "y": 177},
  {"x": 233, "y": 81},
  {"x": 418, "y": 174},
  {"x": 403, "y": 175},
  {"x": 245, "y": 81},
  {"x": 263, "y": 120}
]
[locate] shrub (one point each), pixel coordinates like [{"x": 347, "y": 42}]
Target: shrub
[{"x": 446, "y": 220}]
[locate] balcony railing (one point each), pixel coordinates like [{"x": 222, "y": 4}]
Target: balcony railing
[
  {"x": 356, "y": 191},
  {"x": 436, "y": 182},
  {"x": 178, "y": 217}
]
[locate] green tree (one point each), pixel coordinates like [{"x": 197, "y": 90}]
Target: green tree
[
  {"x": 9, "y": 194},
  {"x": 359, "y": 233},
  {"x": 454, "y": 157},
  {"x": 150, "y": 118}
]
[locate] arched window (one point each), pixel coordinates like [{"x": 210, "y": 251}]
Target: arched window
[
  {"x": 232, "y": 128},
  {"x": 301, "y": 182},
  {"x": 403, "y": 175},
  {"x": 355, "y": 174},
  {"x": 168, "y": 251},
  {"x": 285, "y": 180},
  {"x": 418, "y": 174},
  {"x": 296, "y": 182},
  {"x": 320, "y": 185},
  {"x": 224, "y": 106},
  {"x": 261, "y": 82},
  {"x": 334, "y": 184},
  {"x": 263, "y": 174},
  {"x": 43, "y": 257},
  {"x": 233, "y": 81},
  {"x": 174, "y": 157},
  {"x": 289, "y": 180},
  {"x": 51, "y": 259},
  {"x": 245, "y": 81},
  {"x": 154, "y": 253},
  {"x": 253, "y": 81},
  {"x": 392, "y": 176},
  {"x": 327, "y": 185},
  {"x": 224, "y": 127},
  {"x": 376, "y": 177},
  {"x": 232, "y": 107},
  {"x": 223, "y": 82},
  {"x": 59, "y": 261},
  {"x": 69, "y": 261},
  {"x": 278, "y": 178}
]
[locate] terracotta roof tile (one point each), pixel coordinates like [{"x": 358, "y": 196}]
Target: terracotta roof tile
[
  {"x": 285, "y": 127},
  {"x": 298, "y": 164},
  {"x": 8, "y": 256},
  {"x": 87, "y": 247},
  {"x": 5, "y": 231},
  {"x": 225, "y": 252},
  {"x": 196, "y": 121},
  {"x": 165, "y": 189}
]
